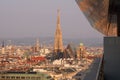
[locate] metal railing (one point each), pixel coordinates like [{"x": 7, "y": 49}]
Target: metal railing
[{"x": 100, "y": 72}]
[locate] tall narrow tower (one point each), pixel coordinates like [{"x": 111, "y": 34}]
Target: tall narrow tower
[
  {"x": 3, "y": 48},
  {"x": 58, "y": 43},
  {"x": 37, "y": 46}
]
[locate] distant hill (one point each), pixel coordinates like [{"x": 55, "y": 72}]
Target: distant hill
[{"x": 50, "y": 40}]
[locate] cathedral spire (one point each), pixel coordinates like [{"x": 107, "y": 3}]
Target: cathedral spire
[
  {"x": 58, "y": 17},
  {"x": 58, "y": 44}
]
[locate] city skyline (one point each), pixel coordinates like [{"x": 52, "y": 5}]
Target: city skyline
[{"x": 30, "y": 18}]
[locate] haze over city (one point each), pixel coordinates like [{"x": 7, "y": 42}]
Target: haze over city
[
  {"x": 29, "y": 18},
  {"x": 48, "y": 40}
]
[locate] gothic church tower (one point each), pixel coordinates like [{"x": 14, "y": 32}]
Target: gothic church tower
[{"x": 58, "y": 43}]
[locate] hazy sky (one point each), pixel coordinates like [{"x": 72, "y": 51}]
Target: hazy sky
[{"x": 37, "y": 18}]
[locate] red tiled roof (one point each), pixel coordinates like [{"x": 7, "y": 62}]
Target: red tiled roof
[{"x": 40, "y": 58}]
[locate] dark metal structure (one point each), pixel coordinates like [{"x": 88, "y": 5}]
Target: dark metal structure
[
  {"x": 114, "y": 13},
  {"x": 103, "y": 15}
]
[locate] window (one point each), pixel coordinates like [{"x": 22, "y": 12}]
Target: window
[
  {"x": 7, "y": 77},
  {"x": 12, "y": 77},
  {"x": 27, "y": 77},
  {"x": 38, "y": 78},
  {"x": 22, "y": 77},
  {"x": 3, "y": 77},
  {"x": 32, "y": 77},
  {"x": 17, "y": 77}
]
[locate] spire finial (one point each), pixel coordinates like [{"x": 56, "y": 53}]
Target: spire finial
[
  {"x": 58, "y": 18},
  {"x": 58, "y": 10}
]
